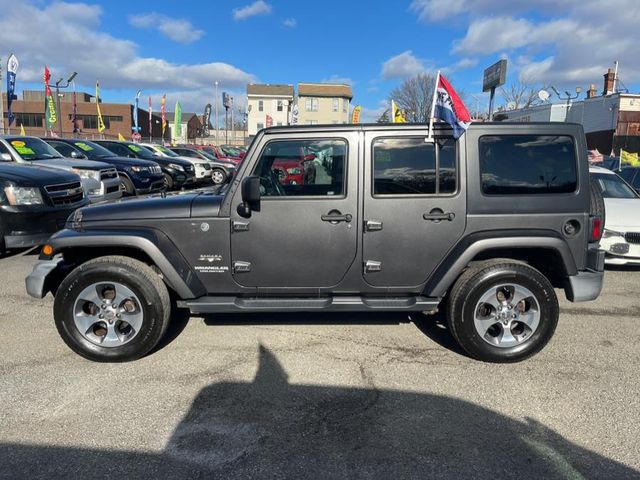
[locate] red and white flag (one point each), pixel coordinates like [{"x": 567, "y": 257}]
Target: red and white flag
[
  {"x": 448, "y": 106},
  {"x": 269, "y": 122}
]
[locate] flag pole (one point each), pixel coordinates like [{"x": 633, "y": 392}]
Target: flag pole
[{"x": 433, "y": 107}]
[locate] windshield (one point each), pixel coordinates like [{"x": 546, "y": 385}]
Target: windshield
[
  {"x": 140, "y": 151},
  {"x": 166, "y": 151},
  {"x": 206, "y": 153},
  {"x": 93, "y": 151},
  {"x": 30, "y": 148},
  {"x": 230, "y": 151},
  {"x": 612, "y": 186}
]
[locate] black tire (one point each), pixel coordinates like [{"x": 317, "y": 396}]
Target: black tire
[
  {"x": 218, "y": 176},
  {"x": 2, "y": 248},
  {"x": 126, "y": 185},
  {"x": 168, "y": 182},
  {"x": 469, "y": 288},
  {"x": 597, "y": 207},
  {"x": 133, "y": 274}
]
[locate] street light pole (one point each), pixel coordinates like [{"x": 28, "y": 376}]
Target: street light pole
[
  {"x": 58, "y": 87},
  {"x": 1, "y": 102},
  {"x": 215, "y": 104}
]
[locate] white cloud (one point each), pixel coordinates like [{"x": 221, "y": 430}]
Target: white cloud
[
  {"x": 69, "y": 39},
  {"x": 177, "y": 29},
  {"x": 464, "y": 64},
  {"x": 402, "y": 66},
  {"x": 290, "y": 22},
  {"x": 564, "y": 41},
  {"x": 338, "y": 79},
  {"x": 259, "y": 7}
]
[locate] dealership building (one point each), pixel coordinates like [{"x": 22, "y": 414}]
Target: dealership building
[{"x": 611, "y": 120}]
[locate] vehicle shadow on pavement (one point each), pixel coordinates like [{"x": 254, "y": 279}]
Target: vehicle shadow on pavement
[
  {"x": 20, "y": 251},
  {"x": 273, "y": 429}
]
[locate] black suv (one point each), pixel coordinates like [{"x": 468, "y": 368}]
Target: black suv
[
  {"x": 178, "y": 173},
  {"x": 35, "y": 202},
  {"x": 484, "y": 226},
  {"x": 137, "y": 176}
]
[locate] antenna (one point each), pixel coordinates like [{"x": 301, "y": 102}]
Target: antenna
[{"x": 543, "y": 95}]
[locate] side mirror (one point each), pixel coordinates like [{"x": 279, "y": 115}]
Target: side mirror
[
  {"x": 5, "y": 157},
  {"x": 75, "y": 154},
  {"x": 250, "y": 190}
]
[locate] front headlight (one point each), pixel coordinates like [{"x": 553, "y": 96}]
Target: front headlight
[
  {"x": 94, "y": 174},
  {"x": 139, "y": 169},
  {"x": 611, "y": 233},
  {"x": 175, "y": 166},
  {"x": 23, "y": 195}
]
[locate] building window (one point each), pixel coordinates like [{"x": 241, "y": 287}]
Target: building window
[
  {"x": 336, "y": 104},
  {"x": 260, "y": 126},
  {"x": 409, "y": 166},
  {"x": 312, "y": 122},
  {"x": 280, "y": 105},
  {"x": 311, "y": 104},
  {"x": 28, "y": 119},
  {"x": 260, "y": 106},
  {"x": 527, "y": 164}
]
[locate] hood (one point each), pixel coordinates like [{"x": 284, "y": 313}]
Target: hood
[
  {"x": 178, "y": 161},
  {"x": 161, "y": 206},
  {"x": 200, "y": 161},
  {"x": 125, "y": 162},
  {"x": 34, "y": 175},
  {"x": 69, "y": 163},
  {"x": 622, "y": 214}
]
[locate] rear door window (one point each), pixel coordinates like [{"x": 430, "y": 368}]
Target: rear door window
[{"x": 527, "y": 164}]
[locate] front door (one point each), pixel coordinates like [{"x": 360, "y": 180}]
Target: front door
[
  {"x": 305, "y": 233},
  {"x": 414, "y": 206}
]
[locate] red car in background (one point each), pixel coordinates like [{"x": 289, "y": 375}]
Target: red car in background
[
  {"x": 294, "y": 167},
  {"x": 219, "y": 153}
]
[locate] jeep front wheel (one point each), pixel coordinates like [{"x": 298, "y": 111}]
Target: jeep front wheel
[
  {"x": 502, "y": 311},
  {"x": 112, "y": 309}
]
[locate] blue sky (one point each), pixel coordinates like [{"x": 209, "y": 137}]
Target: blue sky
[{"x": 181, "y": 48}]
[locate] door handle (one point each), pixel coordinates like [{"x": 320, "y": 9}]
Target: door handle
[
  {"x": 335, "y": 217},
  {"x": 438, "y": 216}
]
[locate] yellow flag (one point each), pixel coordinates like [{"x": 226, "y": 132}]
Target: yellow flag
[
  {"x": 397, "y": 116},
  {"x": 627, "y": 158},
  {"x": 22, "y": 132},
  {"x": 355, "y": 117},
  {"x": 121, "y": 138},
  {"x": 101, "y": 127}
]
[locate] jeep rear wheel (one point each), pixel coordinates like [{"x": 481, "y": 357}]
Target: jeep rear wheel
[
  {"x": 502, "y": 311},
  {"x": 112, "y": 309}
]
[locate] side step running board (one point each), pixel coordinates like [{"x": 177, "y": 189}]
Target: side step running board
[{"x": 338, "y": 304}]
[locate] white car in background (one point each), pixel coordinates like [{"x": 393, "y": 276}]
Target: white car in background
[
  {"x": 201, "y": 167},
  {"x": 621, "y": 238}
]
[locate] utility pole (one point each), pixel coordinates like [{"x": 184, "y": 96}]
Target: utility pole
[
  {"x": 233, "y": 125},
  {"x": 1, "y": 102}
]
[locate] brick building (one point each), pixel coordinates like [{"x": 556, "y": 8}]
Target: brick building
[{"x": 117, "y": 117}]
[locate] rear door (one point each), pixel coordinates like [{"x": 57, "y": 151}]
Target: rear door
[
  {"x": 303, "y": 235},
  {"x": 414, "y": 206}
]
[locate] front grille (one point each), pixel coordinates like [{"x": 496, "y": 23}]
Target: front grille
[
  {"x": 108, "y": 174},
  {"x": 189, "y": 169},
  {"x": 155, "y": 169},
  {"x": 65, "y": 193},
  {"x": 632, "y": 237}
]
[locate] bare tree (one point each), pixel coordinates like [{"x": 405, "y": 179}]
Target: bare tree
[
  {"x": 414, "y": 97},
  {"x": 521, "y": 94}
]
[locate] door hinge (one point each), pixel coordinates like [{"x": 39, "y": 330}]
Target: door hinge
[
  {"x": 241, "y": 267},
  {"x": 371, "y": 266},
  {"x": 372, "y": 226},
  {"x": 240, "y": 226}
]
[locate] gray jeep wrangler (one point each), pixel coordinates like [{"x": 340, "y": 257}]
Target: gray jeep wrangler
[{"x": 487, "y": 226}]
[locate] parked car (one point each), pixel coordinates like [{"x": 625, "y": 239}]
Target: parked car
[
  {"x": 202, "y": 168},
  {"x": 621, "y": 237},
  {"x": 221, "y": 171},
  {"x": 35, "y": 202},
  {"x": 293, "y": 165},
  {"x": 137, "y": 177},
  {"x": 99, "y": 179},
  {"x": 177, "y": 173},
  {"x": 216, "y": 153},
  {"x": 231, "y": 151},
  {"x": 487, "y": 226}
]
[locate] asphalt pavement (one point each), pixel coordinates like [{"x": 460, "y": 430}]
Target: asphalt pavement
[{"x": 321, "y": 396}]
